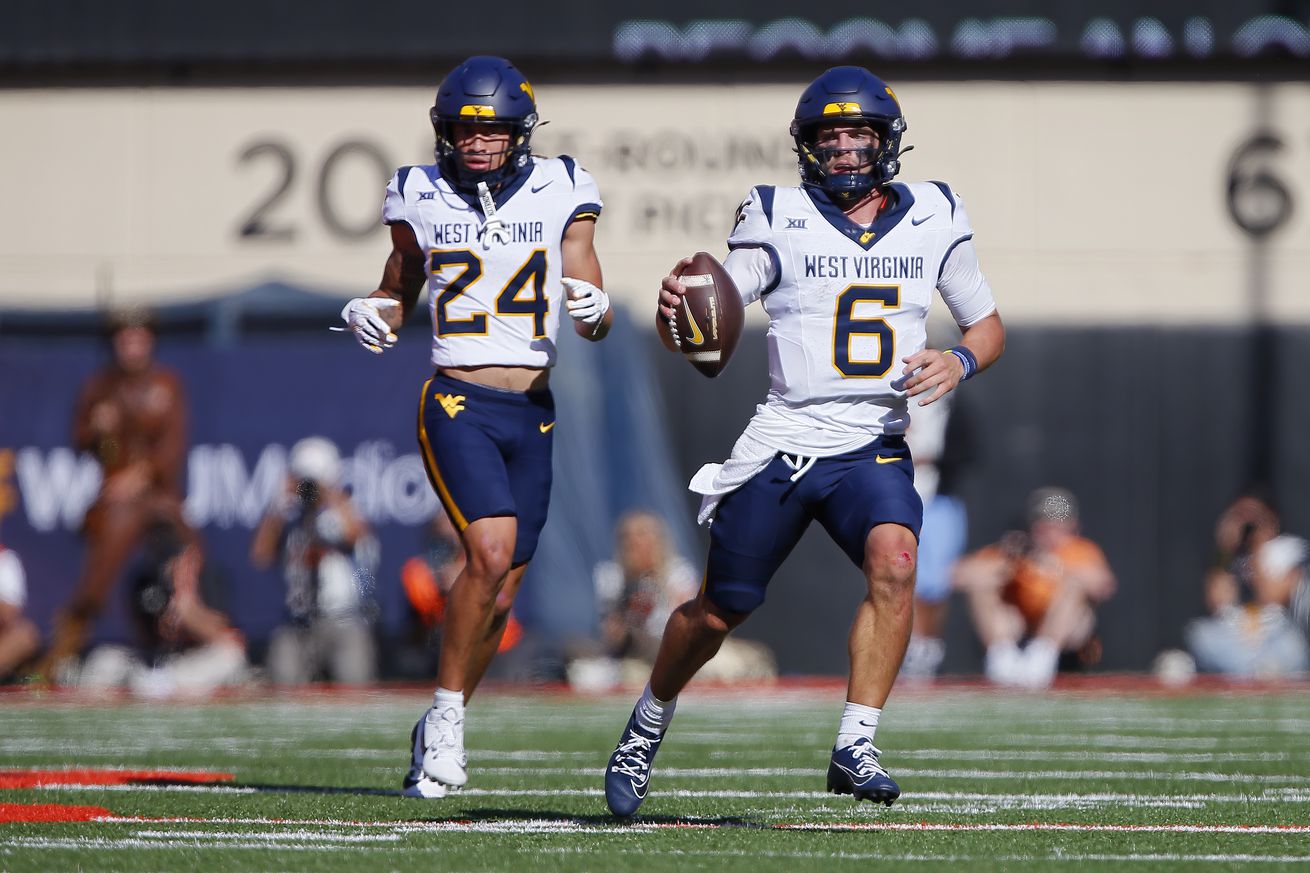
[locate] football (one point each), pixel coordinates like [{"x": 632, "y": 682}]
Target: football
[{"x": 710, "y": 319}]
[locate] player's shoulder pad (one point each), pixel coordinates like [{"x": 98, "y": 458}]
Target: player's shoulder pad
[
  {"x": 402, "y": 177},
  {"x": 760, "y": 196},
  {"x": 564, "y": 168},
  {"x": 418, "y": 177},
  {"x": 947, "y": 193}
]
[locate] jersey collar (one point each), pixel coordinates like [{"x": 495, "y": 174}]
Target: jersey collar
[
  {"x": 502, "y": 195},
  {"x": 888, "y": 217}
]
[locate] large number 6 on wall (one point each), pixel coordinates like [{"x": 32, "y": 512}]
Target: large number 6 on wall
[{"x": 846, "y": 326}]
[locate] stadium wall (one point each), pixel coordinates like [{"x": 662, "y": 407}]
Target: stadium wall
[
  {"x": 1141, "y": 238},
  {"x": 1101, "y": 203}
]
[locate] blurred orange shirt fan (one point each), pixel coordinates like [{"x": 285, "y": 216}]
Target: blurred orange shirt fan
[
  {"x": 429, "y": 601},
  {"x": 1037, "y": 578}
]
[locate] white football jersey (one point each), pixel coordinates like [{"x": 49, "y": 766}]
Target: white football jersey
[
  {"x": 494, "y": 303},
  {"x": 847, "y": 304}
]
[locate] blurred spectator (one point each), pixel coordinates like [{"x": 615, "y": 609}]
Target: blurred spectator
[
  {"x": 942, "y": 445},
  {"x": 328, "y": 557},
  {"x": 635, "y": 594},
  {"x": 187, "y": 646},
  {"x": 1263, "y": 635},
  {"x": 1242, "y": 528},
  {"x": 131, "y": 416},
  {"x": 427, "y": 579},
  {"x": 19, "y": 638},
  {"x": 1043, "y": 585}
]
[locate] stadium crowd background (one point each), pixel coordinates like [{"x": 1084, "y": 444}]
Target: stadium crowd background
[{"x": 1137, "y": 173}]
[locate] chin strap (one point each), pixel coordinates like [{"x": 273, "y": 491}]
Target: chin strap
[{"x": 493, "y": 230}]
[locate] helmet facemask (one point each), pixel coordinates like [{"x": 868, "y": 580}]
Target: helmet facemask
[
  {"x": 879, "y": 163},
  {"x": 516, "y": 154}
]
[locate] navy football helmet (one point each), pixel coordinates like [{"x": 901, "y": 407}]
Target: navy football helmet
[
  {"x": 848, "y": 94},
  {"x": 484, "y": 90}
]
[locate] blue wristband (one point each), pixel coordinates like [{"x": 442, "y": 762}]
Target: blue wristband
[{"x": 966, "y": 358}]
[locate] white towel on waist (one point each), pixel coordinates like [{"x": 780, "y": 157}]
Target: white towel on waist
[{"x": 712, "y": 481}]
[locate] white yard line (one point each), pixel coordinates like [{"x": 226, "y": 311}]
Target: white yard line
[
  {"x": 986, "y": 860},
  {"x": 575, "y": 826}
]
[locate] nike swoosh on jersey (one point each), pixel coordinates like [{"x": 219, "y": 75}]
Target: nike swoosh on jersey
[
  {"x": 918, "y": 221},
  {"x": 537, "y": 188},
  {"x": 696, "y": 337},
  {"x": 545, "y": 428},
  {"x": 882, "y": 460}
]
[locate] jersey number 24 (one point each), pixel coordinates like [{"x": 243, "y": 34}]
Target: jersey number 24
[{"x": 508, "y": 301}]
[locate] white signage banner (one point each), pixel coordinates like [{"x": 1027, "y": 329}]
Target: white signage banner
[{"x": 1092, "y": 203}]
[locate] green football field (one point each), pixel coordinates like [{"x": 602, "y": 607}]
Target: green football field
[{"x": 1101, "y": 776}]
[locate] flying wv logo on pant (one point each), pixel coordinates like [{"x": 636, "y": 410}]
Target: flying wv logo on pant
[{"x": 453, "y": 404}]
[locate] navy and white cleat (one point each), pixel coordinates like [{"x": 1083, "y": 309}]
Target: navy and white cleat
[
  {"x": 627, "y": 776},
  {"x": 854, "y": 769},
  {"x": 417, "y": 783}
]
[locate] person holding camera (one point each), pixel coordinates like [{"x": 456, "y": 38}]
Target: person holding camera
[
  {"x": 327, "y": 555},
  {"x": 1041, "y": 585},
  {"x": 185, "y": 644},
  {"x": 1256, "y": 594}
]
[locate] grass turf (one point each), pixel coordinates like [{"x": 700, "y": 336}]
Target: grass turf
[{"x": 1134, "y": 780}]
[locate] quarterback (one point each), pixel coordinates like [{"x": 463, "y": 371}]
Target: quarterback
[
  {"x": 846, "y": 265},
  {"x": 501, "y": 238}
]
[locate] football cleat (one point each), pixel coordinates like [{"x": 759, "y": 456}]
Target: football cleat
[
  {"x": 627, "y": 776},
  {"x": 854, "y": 769},
  {"x": 444, "y": 759},
  {"x": 417, "y": 783}
]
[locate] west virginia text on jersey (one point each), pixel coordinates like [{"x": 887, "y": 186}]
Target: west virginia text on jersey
[
  {"x": 494, "y": 303},
  {"x": 850, "y": 301}
]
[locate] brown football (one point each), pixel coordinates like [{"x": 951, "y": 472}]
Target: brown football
[{"x": 711, "y": 316}]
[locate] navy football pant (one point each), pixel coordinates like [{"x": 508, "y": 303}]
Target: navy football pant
[
  {"x": 757, "y": 526},
  {"x": 488, "y": 453}
]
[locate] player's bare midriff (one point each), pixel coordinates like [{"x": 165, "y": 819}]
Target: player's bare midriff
[{"x": 504, "y": 378}]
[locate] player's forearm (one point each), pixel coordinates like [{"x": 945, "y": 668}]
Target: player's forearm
[
  {"x": 985, "y": 339},
  {"x": 402, "y": 280}
]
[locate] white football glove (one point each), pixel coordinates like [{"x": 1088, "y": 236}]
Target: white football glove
[
  {"x": 363, "y": 317},
  {"x": 587, "y": 303}
]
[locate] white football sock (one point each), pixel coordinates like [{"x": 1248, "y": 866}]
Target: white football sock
[
  {"x": 857, "y": 721},
  {"x": 445, "y": 700},
  {"x": 654, "y": 714}
]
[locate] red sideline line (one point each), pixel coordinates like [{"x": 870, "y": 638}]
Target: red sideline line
[
  {"x": 13, "y": 813},
  {"x": 11, "y": 779}
]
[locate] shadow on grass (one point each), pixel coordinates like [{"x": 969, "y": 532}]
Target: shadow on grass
[
  {"x": 497, "y": 814},
  {"x": 318, "y": 789},
  {"x": 722, "y": 821}
]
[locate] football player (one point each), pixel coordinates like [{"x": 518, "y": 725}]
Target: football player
[
  {"x": 846, "y": 265},
  {"x": 499, "y": 236}
]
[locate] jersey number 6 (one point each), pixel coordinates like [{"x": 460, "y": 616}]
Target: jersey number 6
[
  {"x": 846, "y": 326},
  {"x": 508, "y": 301}
]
